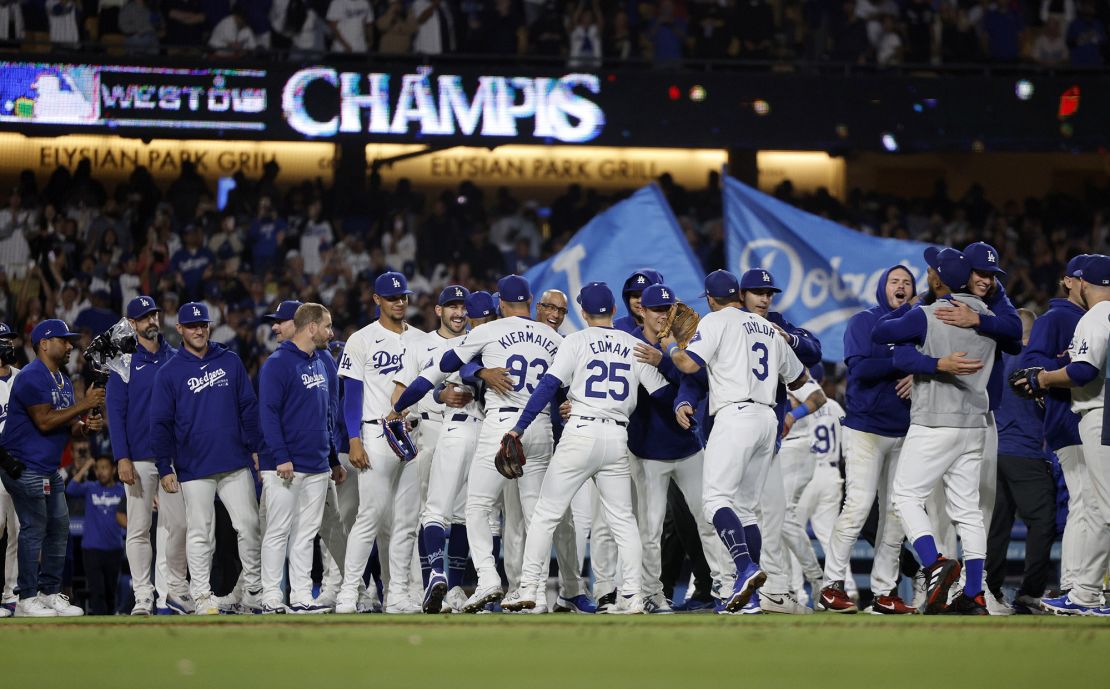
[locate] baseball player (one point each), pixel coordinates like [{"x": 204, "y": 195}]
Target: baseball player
[
  {"x": 9, "y": 521},
  {"x": 1048, "y": 349},
  {"x": 947, "y": 433},
  {"x": 296, "y": 412},
  {"x": 632, "y": 291},
  {"x": 660, "y": 450},
  {"x": 745, "y": 356},
  {"x": 129, "y": 428},
  {"x": 525, "y": 349},
  {"x": 1086, "y": 375},
  {"x": 204, "y": 431},
  {"x": 600, "y": 368},
  {"x": 371, "y": 361},
  {"x": 875, "y": 425}
]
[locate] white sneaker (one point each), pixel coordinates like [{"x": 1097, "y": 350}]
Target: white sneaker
[
  {"x": 403, "y": 606},
  {"x": 34, "y": 606},
  {"x": 4, "y": 612},
  {"x": 345, "y": 606},
  {"x": 628, "y": 605},
  {"x": 658, "y": 604},
  {"x": 60, "y": 603},
  {"x": 309, "y": 608},
  {"x": 206, "y": 605},
  {"x": 180, "y": 603},
  {"x": 489, "y": 594},
  {"x": 784, "y": 603},
  {"x": 228, "y": 604},
  {"x": 455, "y": 599},
  {"x": 1027, "y": 604},
  {"x": 369, "y": 603},
  {"x": 325, "y": 600},
  {"x": 144, "y": 607},
  {"x": 518, "y": 600},
  {"x": 997, "y": 605},
  {"x": 251, "y": 603},
  {"x": 272, "y": 607}
]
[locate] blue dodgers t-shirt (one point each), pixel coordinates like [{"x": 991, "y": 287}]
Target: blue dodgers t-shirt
[
  {"x": 102, "y": 531},
  {"x": 42, "y": 453}
]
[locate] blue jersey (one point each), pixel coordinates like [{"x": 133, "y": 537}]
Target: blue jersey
[
  {"x": 35, "y": 385},
  {"x": 102, "y": 531}
]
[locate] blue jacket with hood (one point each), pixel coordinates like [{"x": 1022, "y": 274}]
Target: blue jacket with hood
[
  {"x": 636, "y": 282},
  {"x": 297, "y": 409},
  {"x": 129, "y": 403},
  {"x": 203, "y": 415},
  {"x": 872, "y": 404}
]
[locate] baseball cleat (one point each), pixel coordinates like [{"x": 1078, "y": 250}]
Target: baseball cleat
[
  {"x": 517, "y": 601},
  {"x": 746, "y": 584},
  {"x": 368, "y": 603},
  {"x": 62, "y": 606},
  {"x": 890, "y": 605},
  {"x": 345, "y": 608},
  {"x": 753, "y": 606},
  {"x": 607, "y": 601},
  {"x": 1025, "y": 604},
  {"x": 490, "y": 594},
  {"x": 455, "y": 599},
  {"x": 251, "y": 604},
  {"x": 632, "y": 604},
  {"x": 144, "y": 607},
  {"x": 272, "y": 607},
  {"x": 997, "y": 605},
  {"x": 834, "y": 599},
  {"x": 963, "y": 605},
  {"x": 939, "y": 577},
  {"x": 311, "y": 608},
  {"x": 1064, "y": 605},
  {"x": 695, "y": 605},
  {"x": 404, "y": 606},
  {"x": 434, "y": 594},
  {"x": 580, "y": 604},
  {"x": 657, "y": 604},
  {"x": 180, "y": 603},
  {"x": 783, "y": 603},
  {"x": 326, "y": 600},
  {"x": 4, "y": 612},
  {"x": 206, "y": 605},
  {"x": 35, "y": 606}
]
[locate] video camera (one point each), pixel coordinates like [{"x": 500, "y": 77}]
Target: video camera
[{"x": 110, "y": 351}]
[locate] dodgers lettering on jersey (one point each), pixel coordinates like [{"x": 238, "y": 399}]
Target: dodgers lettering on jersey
[
  {"x": 825, "y": 431},
  {"x": 524, "y": 347},
  {"x": 215, "y": 378},
  {"x": 1088, "y": 345},
  {"x": 745, "y": 357},
  {"x": 375, "y": 356},
  {"x": 599, "y": 367},
  {"x": 5, "y": 393}
]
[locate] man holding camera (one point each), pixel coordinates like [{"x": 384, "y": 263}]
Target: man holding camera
[
  {"x": 42, "y": 413},
  {"x": 129, "y": 428}
]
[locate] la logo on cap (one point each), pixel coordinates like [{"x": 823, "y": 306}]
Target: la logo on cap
[
  {"x": 766, "y": 277},
  {"x": 396, "y": 282},
  {"x": 991, "y": 258},
  {"x": 144, "y": 302},
  {"x": 666, "y": 295},
  {"x": 196, "y": 311},
  {"x": 458, "y": 292},
  {"x": 640, "y": 280}
]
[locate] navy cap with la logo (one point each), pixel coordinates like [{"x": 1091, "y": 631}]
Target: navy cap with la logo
[
  {"x": 453, "y": 293},
  {"x": 983, "y": 257},
  {"x": 391, "y": 284},
  {"x": 193, "y": 312},
  {"x": 141, "y": 306},
  {"x": 757, "y": 278}
]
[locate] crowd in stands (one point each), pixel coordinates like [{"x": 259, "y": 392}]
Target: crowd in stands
[{"x": 583, "y": 32}]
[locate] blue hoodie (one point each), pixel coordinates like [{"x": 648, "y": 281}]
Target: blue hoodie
[
  {"x": 203, "y": 415},
  {"x": 1019, "y": 424},
  {"x": 653, "y": 432},
  {"x": 296, "y": 408},
  {"x": 872, "y": 405},
  {"x": 339, "y": 440},
  {"x": 650, "y": 277},
  {"x": 1048, "y": 348},
  {"x": 129, "y": 403}
]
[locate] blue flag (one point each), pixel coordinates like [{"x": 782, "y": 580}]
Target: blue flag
[
  {"x": 827, "y": 272},
  {"x": 639, "y": 232}
]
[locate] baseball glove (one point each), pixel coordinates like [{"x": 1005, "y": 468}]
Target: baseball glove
[
  {"x": 510, "y": 458},
  {"x": 399, "y": 440},
  {"x": 1030, "y": 388},
  {"x": 682, "y": 323}
]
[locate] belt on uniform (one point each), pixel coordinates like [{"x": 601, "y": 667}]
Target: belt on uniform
[
  {"x": 598, "y": 418},
  {"x": 431, "y": 416},
  {"x": 463, "y": 417},
  {"x": 512, "y": 409},
  {"x": 372, "y": 421}
]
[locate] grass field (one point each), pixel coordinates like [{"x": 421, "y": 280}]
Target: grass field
[{"x": 556, "y": 651}]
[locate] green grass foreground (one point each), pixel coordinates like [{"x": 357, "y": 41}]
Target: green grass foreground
[{"x": 557, "y": 651}]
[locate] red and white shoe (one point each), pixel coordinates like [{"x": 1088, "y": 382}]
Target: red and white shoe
[{"x": 835, "y": 599}]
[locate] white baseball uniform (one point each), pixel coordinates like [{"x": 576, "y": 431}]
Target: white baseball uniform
[
  {"x": 9, "y": 521},
  {"x": 599, "y": 367},
  {"x": 820, "y": 501},
  {"x": 374, "y": 356},
  {"x": 1089, "y": 345},
  {"x": 745, "y": 358}
]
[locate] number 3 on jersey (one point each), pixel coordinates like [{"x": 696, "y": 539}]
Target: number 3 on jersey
[
  {"x": 519, "y": 367},
  {"x": 611, "y": 373},
  {"x": 760, "y": 349}
]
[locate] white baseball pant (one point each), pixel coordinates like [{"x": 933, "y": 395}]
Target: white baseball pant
[
  {"x": 951, "y": 455},
  {"x": 9, "y": 524},
  {"x": 171, "y": 568},
  {"x": 1080, "y": 519},
  {"x": 820, "y": 502},
  {"x": 404, "y": 559},
  {"x": 988, "y": 473},
  {"x": 295, "y": 509},
  {"x": 571, "y": 583},
  {"x": 650, "y": 481},
  {"x": 236, "y": 491},
  {"x": 340, "y": 508},
  {"x": 598, "y": 451},
  {"x": 1094, "y": 542},
  {"x": 871, "y": 463},
  {"x": 737, "y": 459},
  {"x": 774, "y": 558},
  {"x": 449, "y": 467},
  {"x": 796, "y": 468},
  {"x": 591, "y": 528}
]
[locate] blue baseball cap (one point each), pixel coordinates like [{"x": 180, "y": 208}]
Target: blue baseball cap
[
  {"x": 285, "y": 311},
  {"x": 141, "y": 306},
  {"x": 391, "y": 284},
  {"x": 953, "y": 268},
  {"x": 480, "y": 305},
  {"x": 1075, "y": 265},
  {"x": 720, "y": 283},
  {"x": 641, "y": 280},
  {"x": 983, "y": 257},
  {"x": 452, "y": 293},
  {"x": 597, "y": 299},
  {"x": 51, "y": 327},
  {"x": 1096, "y": 270},
  {"x": 757, "y": 278},
  {"x": 193, "y": 312},
  {"x": 6, "y": 330},
  {"x": 931, "y": 253},
  {"x": 657, "y": 295},
  {"x": 514, "y": 288}
]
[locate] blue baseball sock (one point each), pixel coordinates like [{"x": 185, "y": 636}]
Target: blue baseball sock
[
  {"x": 458, "y": 548},
  {"x": 731, "y": 533},
  {"x": 754, "y": 540},
  {"x": 433, "y": 538},
  {"x": 973, "y": 577},
  {"x": 926, "y": 549}
]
